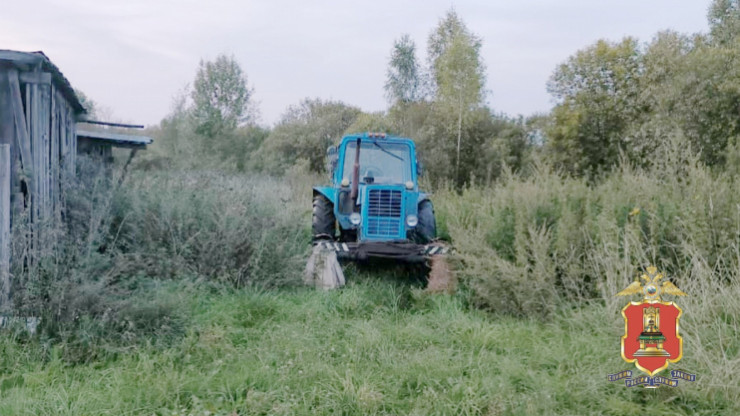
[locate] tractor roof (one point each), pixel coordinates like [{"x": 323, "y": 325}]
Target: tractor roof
[{"x": 376, "y": 136}]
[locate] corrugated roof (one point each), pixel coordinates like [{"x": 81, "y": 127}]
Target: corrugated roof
[
  {"x": 116, "y": 139},
  {"x": 33, "y": 58}
]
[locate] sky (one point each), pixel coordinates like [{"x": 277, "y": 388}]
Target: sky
[{"x": 132, "y": 57}]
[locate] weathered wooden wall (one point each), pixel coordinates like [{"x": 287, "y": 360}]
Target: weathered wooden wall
[{"x": 38, "y": 125}]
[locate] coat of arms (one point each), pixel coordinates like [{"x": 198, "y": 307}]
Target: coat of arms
[{"x": 651, "y": 339}]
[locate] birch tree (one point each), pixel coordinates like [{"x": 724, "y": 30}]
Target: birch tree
[
  {"x": 457, "y": 70},
  {"x": 403, "y": 80}
]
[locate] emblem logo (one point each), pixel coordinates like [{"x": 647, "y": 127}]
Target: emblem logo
[{"x": 651, "y": 339}]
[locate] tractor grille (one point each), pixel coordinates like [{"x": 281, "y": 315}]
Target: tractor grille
[{"x": 384, "y": 213}]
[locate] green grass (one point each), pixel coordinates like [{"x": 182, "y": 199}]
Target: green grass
[
  {"x": 534, "y": 329},
  {"x": 378, "y": 346}
]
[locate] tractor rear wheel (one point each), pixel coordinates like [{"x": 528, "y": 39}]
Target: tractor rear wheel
[
  {"x": 426, "y": 229},
  {"x": 323, "y": 221}
]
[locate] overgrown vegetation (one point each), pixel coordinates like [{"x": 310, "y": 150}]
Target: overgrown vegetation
[
  {"x": 179, "y": 292},
  {"x": 98, "y": 290},
  {"x": 379, "y": 346}
]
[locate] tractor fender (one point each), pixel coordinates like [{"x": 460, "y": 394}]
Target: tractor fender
[
  {"x": 423, "y": 196},
  {"x": 329, "y": 192}
]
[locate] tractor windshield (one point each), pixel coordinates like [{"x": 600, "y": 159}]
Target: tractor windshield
[{"x": 380, "y": 163}]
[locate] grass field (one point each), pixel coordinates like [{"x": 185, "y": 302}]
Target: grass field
[
  {"x": 378, "y": 346},
  {"x": 195, "y": 305}
]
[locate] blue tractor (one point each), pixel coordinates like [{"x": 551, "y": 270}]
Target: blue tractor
[{"x": 373, "y": 207}]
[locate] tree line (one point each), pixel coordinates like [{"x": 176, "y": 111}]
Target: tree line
[{"x": 616, "y": 101}]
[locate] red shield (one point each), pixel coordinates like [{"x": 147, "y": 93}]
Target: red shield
[{"x": 651, "y": 337}]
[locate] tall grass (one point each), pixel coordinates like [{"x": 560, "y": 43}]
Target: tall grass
[
  {"x": 540, "y": 245},
  {"x": 233, "y": 229},
  {"x": 98, "y": 288}
]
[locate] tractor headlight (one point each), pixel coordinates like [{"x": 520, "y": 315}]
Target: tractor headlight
[
  {"x": 412, "y": 220},
  {"x": 409, "y": 185},
  {"x": 355, "y": 218}
]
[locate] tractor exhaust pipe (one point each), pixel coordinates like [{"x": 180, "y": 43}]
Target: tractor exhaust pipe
[{"x": 356, "y": 177}]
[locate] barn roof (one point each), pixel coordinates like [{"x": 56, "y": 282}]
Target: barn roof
[
  {"x": 28, "y": 59},
  {"x": 116, "y": 139}
]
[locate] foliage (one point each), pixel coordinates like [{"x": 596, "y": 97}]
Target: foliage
[
  {"x": 705, "y": 105},
  {"x": 490, "y": 142},
  {"x": 225, "y": 228},
  {"x": 531, "y": 244},
  {"x": 624, "y": 98},
  {"x": 221, "y": 97},
  {"x": 598, "y": 91},
  {"x": 459, "y": 76},
  {"x": 99, "y": 289},
  {"x": 90, "y": 106},
  {"x": 404, "y": 82},
  {"x": 178, "y": 145},
  {"x": 72, "y": 284},
  {"x": 724, "y": 20},
  {"x": 303, "y": 134},
  {"x": 448, "y": 29}
]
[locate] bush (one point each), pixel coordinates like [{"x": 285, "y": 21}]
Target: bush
[
  {"x": 553, "y": 247},
  {"x": 530, "y": 245},
  {"x": 238, "y": 230},
  {"x": 102, "y": 286}
]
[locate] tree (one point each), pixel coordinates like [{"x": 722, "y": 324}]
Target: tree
[
  {"x": 704, "y": 99},
  {"x": 458, "y": 72},
  {"x": 440, "y": 39},
  {"x": 175, "y": 129},
  {"x": 724, "y": 20},
  {"x": 90, "y": 106},
  {"x": 598, "y": 90},
  {"x": 303, "y": 134},
  {"x": 221, "y": 97},
  {"x": 403, "y": 79}
]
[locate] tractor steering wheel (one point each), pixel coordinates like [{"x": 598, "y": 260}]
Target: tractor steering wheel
[{"x": 371, "y": 172}]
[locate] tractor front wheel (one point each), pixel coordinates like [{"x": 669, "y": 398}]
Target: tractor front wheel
[
  {"x": 426, "y": 229},
  {"x": 323, "y": 221}
]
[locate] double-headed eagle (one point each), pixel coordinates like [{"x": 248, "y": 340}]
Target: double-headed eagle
[{"x": 652, "y": 290}]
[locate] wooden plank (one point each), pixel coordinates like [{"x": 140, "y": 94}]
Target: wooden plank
[
  {"x": 7, "y": 134},
  {"x": 32, "y": 115},
  {"x": 44, "y": 128},
  {"x": 72, "y": 137},
  {"x": 110, "y": 124},
  {"x": 35, "y": 78},
  {"x": 54, "y": 155},
  {"x": 28, "y": 116},
  {"x": 6, "y": 110},
  {"x": 63, "y": 146},
  {"x": 4, "y": 226},
  {"x": 23, "y": 144},
  {"x": 25, "y": 58},
  {"x": 21, "y": 125}
]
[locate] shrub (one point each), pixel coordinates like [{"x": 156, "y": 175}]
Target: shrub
[
  {"x": 102, "y": 286},
  {"x": 531, "y": 244},
  {"x": 239, "y": 230}
]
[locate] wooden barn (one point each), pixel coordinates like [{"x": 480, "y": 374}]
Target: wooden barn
[{"x": 39, "y": 144}]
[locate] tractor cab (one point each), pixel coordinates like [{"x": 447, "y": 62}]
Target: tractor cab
[
  {"x": 387, "y": 162},
  {"x": 374, "y": 196}
]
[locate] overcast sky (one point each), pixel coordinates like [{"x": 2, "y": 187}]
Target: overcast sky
[{"x": 133, "y": 56}]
